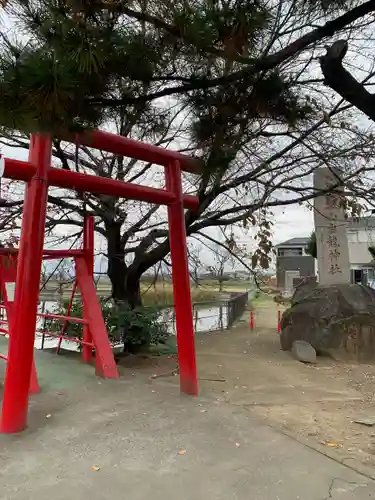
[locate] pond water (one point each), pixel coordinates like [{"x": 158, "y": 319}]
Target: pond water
[{"x": 206, "y": 317}]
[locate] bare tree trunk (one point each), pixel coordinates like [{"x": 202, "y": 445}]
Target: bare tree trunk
[
  {"x": 125, "y": 286},
  {"x": 133, "y": 291}
]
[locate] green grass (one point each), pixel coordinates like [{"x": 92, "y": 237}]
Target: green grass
[
  {"x": 261, "y": 298},
  {"x": 161, "y": 293}
]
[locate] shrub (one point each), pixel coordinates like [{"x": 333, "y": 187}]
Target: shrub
[{"x": 136, "y": 328}]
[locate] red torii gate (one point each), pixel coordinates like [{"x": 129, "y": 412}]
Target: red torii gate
[{"x": 39, "y": 175}]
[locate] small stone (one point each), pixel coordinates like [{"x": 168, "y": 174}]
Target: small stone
[
  {"x": 368, "y": 421},
  {"x": 303, "y": 351}
]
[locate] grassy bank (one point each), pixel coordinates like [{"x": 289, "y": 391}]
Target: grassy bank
[
  {"x": 261, "y": 298},
  {"x": 158, "y": 294},
  {"x": 162, "y": 292}
]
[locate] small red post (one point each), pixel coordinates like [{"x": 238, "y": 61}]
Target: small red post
[
  {"x": 22, "y": 337},
  {"x": 181, "y": 283},
  {"x": 251, "y": 320},
  {"x": 88, "y": 248},
  {"x": 278, "y": 321}
]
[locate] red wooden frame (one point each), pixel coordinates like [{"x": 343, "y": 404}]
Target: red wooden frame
[
  {"x": 39, "y": 176},
  {"x": 84, "y": 264}
]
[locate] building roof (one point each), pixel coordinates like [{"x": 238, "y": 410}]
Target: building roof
[{"x": 294, "y": 242}]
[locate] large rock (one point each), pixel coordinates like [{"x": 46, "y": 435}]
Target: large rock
[{"x": 338, "y": 320}]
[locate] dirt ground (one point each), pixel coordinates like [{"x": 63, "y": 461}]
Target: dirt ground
[
  {"x": 320, "y": 402},
  {"x": 247, "y": 368}
]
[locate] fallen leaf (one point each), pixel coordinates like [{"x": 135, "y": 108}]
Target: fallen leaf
[
  {"x": 95, "y": 468},
  {"x": 182, "y": 452}
]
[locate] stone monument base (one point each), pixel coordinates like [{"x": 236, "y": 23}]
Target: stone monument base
[{"x": 338, "y": 320}]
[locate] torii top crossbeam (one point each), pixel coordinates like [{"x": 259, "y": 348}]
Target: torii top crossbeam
[
  {"x": 57, "y": 177},
  {"x": 123, "y": 146}
]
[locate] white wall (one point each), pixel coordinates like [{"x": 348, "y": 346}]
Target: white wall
[
  {"x": 358, "y": 242},
  {"x": 293, "y": 248}
]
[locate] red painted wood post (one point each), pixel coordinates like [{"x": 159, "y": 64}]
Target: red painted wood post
[
  {"x": 8, "y": 270},
  {"x": 251, "y": 320},
  {"x": 22, "y": 337},
  {"x": 88, "y": 248},
  {"x": 181, "y": 283},
  {"x": 105, "y": 361},
  {"x": 278, "y": 321}
]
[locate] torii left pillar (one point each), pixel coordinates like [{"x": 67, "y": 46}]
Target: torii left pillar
[{"x": 21, "y": 342}]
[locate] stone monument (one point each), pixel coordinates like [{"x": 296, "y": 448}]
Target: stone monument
[
  {"x": 334, "y": 317},
  {"x": 330, "y": 230}
]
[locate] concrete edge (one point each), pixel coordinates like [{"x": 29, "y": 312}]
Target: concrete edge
[{"x": 349, "y": 462}]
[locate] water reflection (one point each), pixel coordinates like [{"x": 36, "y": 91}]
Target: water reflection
[{"x": 207, "y": 318}]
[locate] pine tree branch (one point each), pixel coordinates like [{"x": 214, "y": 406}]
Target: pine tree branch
[
  {"x": 175, "y": 31},
  {"x": 328, "y": 29},
  {"x": 340, "y": 80},
  {"x": 255, "y": 65}
]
